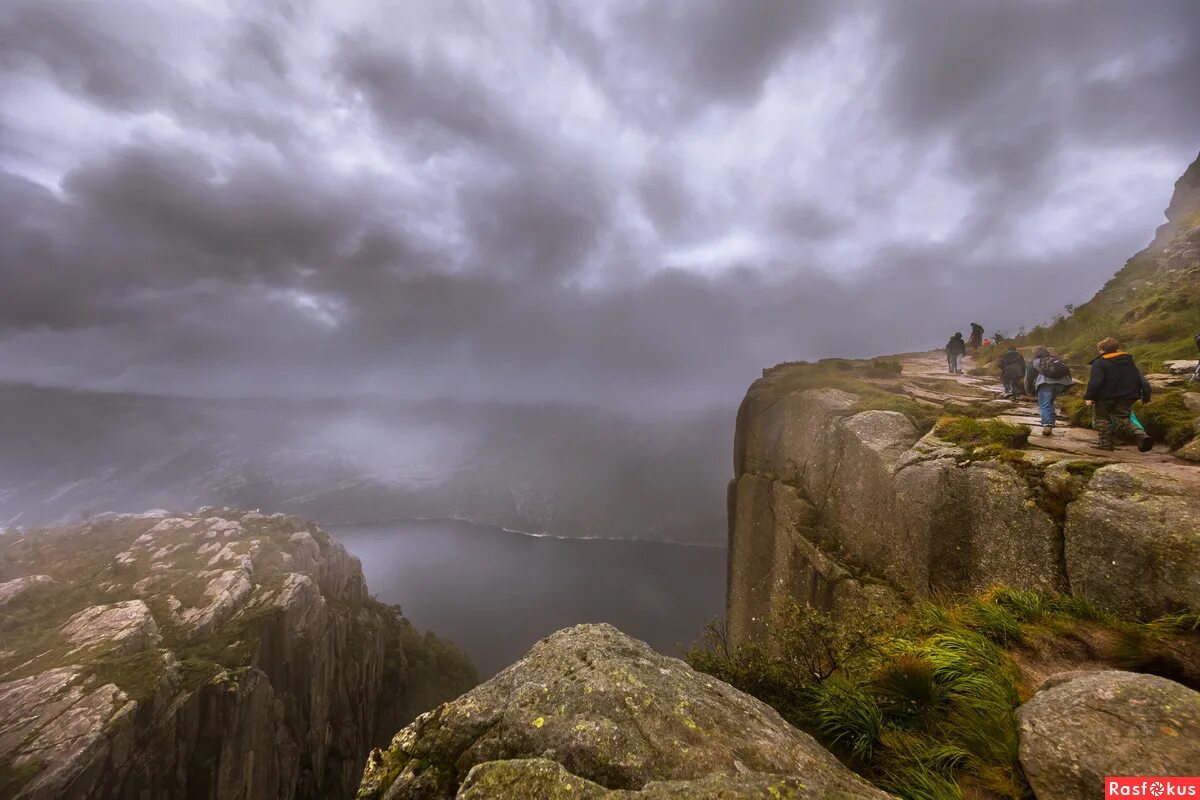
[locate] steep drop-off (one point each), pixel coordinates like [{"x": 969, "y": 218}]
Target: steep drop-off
[{"x": 216, "y": 655}]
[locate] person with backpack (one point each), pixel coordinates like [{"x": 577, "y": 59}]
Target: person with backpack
[
  {"x": 1012, "y": 372},
  {"x": 1196, "y": 374},
  {"x": 956, "y": 348},
  {"x": 1046, "y": 377},
  {"x": 976, "y": 336},
  {"x": 1114, "y": 385}
]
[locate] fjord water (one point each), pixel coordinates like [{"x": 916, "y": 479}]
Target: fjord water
[{"x": 495, "y": 592}]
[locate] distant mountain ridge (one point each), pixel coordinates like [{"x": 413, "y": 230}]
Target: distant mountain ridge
[{"x": 569, "y": 470}]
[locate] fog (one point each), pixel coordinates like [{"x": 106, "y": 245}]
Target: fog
[{"x": 552, "y": 222}]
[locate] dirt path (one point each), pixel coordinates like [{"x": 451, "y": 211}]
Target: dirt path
[{"x": 925, "y": 377}]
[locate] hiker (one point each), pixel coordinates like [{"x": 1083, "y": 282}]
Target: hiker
[
  {"x": 1196, "y": 375},
  {"x": 1047, "y": 377},
  {"x": 1012, "y": 372},
  {"x": 1113, "y": 387},
  {"x": 976, "y": 336},
  {"x": 956, "y": 348}
]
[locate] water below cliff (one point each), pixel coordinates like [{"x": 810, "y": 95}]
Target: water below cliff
[{"x": 494, "y": 592}]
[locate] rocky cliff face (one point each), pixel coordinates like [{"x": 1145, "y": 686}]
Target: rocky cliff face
[
  {"x": 592, "y": 713},
  {"x": 838, "y": 498},
  {"x": 214, "y": 655},
  {"x": 833, "y": 505}
]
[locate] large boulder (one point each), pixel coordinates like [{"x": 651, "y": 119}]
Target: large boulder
[
  {"x": 608, "y": 709},
  {"x": 523, "y": 779},
  {"x": 128, "y": 627},
  {"x": 964, "y": 526},
  {"x": 1133, "y": 542},
  {"x": 1085, "y": 726}
]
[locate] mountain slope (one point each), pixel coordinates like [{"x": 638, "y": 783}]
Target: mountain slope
[{"x": 1152, "y": 304}]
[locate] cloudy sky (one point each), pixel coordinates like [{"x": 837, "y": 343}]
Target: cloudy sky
[{"x": 638, "y": 202}]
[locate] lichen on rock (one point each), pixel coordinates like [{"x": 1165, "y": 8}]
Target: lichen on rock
[
  {"x": 1085, "y": 726},
  {"x": 608, "y": 710}
]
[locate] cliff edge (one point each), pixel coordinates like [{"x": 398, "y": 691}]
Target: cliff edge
[
  {"x": 881, "y": 481},
  {"x": 215, "y": 655}
]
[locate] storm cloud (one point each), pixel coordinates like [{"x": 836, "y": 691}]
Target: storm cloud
[{"x": 636, "y": 203}]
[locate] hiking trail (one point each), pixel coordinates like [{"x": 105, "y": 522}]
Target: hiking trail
[{"x": 924, "y": 377}]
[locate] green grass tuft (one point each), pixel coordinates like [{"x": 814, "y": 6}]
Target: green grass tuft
[{"x": 981, "y": 433}]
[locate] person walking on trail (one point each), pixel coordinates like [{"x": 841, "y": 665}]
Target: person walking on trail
[
  {"x": 976, "y": 336},
  {"x": 1196, "y": 375},
  {"x": 1046, "y": 377},
  {"x": 956, "y": 348},
  {"x": 1012, "y": 372},
  {"x": 1114, "y": 385}
]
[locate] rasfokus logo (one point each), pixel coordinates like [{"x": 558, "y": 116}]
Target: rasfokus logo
[{"x": 1152, "y": 786}]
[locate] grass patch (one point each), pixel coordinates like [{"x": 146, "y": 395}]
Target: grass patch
[
  {"x": 1167, "y": 419},
  {"x": 975, "y": 433},
  {"x": 137, "y": 675},
  {"x": 868, "y": 380},
  {"x": 14, "y": 776},
  {"x": 884, "y": 368},
  {"x": 924, "y": 706}
]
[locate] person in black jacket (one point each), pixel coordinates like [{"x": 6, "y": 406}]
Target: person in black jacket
[
  {"x": 1114, "y": 385},
  {"x": 1012, "y": 372},
  {"x": 976, "y": 336},
  {"x": 956, "y": 348}
]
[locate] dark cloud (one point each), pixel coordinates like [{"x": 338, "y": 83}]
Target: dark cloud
[
  {"x": 677, "y": 58},
  {"x": 74, "y": 44},
  {"x": 630, "y": 203},
  {"x": 1009, "y": 85}
]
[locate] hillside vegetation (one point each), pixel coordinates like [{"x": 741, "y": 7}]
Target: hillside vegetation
[
  {"x": 925, "y": 706},
  {"x": 1152, "y": 304}
]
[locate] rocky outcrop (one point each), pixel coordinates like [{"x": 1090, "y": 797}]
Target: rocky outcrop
[
  {"x": 521, "y": 779},
  {"x": 1183, "y": 212},
  {"x": 833, "y": 505},
  {"x": 590, "y": 712},
  {"x": 214, "y": 655},
  {"x": 19, "y": 588},
  {"x": 1133, "y": 542},
  {"x": 1082, "y": 727}
]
